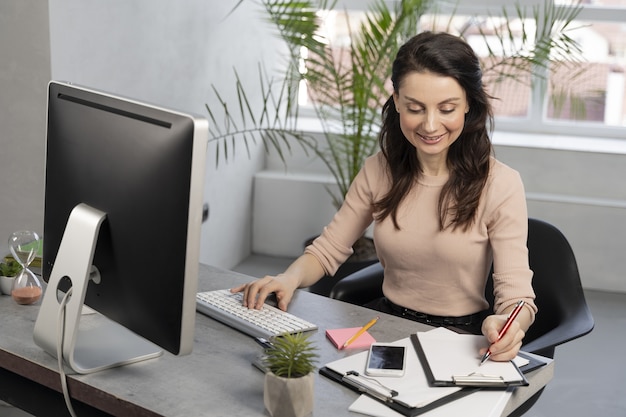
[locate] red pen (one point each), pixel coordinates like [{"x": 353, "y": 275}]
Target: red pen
[{"x": 512, "y": 316}]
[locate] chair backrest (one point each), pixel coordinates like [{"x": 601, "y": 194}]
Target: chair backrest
[{"x": 563, "y": 312}]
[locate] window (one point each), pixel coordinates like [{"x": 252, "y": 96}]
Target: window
[{"x": 587, "y": 98}]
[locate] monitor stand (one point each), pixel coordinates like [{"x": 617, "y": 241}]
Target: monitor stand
[{"x": 103, "y": 343}]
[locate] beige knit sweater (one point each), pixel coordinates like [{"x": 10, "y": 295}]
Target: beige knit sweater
[{"x": 435, "y": 272}]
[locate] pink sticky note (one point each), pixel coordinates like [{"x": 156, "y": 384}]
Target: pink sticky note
[{"x": 339, "y": 336}]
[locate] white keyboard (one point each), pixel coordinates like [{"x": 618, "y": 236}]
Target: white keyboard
[{"x": 267, "y": 322}]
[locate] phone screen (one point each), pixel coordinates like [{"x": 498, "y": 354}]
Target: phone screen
[{"x": 385, "y": 360}]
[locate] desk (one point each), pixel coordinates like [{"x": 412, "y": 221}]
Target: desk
[{"x": 217, "y": 379}]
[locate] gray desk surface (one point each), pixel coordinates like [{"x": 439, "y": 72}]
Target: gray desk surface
[{"x": 217, "y": 378}]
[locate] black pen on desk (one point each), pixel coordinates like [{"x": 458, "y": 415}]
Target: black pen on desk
[{"x": 509, "y": 320}]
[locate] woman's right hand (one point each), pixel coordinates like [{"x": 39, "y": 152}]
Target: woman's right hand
[
  {"x": 255, "y": 292},
  {"x": 303, "y": 272}
]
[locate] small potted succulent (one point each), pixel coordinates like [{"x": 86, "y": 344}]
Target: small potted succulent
[
  {"x": 9, "y": 269},
  {"x": 289, "y": 381}
]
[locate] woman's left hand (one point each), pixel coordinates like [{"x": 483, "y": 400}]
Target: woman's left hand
[{"x": 507, "y": 347}]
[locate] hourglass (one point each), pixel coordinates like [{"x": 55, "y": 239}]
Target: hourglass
[{"x": 24, "y": 246}]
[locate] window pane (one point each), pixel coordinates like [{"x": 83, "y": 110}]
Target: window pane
[
  {"x": 598, "y": 93},
  {"x": 509, "y": 86},
  {"x": 592, "y": 91},
  {"x": 335, "y": 29},
  {"x": 511, "y": 96}
]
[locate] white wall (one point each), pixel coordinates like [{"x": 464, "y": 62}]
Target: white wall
[
  {"x": 159, "y": 51},
  {"x": 169, "y": 53},
  {"x": 583, "y": 193},
  {"x": 24, "y": 72}
]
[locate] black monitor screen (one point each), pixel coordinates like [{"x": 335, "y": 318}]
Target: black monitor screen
[{"x": 143, "y": 167}]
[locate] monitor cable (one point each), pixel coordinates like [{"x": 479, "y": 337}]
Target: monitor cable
[{"x": 60, "y": 336}]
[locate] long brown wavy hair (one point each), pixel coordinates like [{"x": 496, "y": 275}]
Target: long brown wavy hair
[{"x": 468, "y": 157}]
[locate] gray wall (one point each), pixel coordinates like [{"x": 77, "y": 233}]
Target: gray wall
[
  {"x": 24, "y": 72},
  {"x": 163, "y": 52},
  {"x": 584, "y": 195},
  {"x": 169, "y": 53}
]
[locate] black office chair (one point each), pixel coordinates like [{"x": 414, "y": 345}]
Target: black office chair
[{"x": 563, "y": 312}]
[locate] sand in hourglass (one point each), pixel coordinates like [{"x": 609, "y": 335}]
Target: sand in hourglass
[
  {"x": 26, "y": 295},
  {"x": 25, "y": 245}
]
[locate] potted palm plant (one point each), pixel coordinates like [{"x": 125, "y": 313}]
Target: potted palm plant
[
  {"x": 346, "y": 88},
  {"x": 289, "y": 382},
  {"x": 347, "y": 84}
]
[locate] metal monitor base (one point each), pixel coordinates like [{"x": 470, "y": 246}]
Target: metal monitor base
[{"x": 102, "y": 343}]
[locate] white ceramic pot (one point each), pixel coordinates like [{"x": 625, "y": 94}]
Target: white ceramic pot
[
  {"x": 289, "y": 397},
  {"x": 6, "y": 283}
]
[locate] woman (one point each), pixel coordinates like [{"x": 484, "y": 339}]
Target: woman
[{"x": 444, "y": 209}]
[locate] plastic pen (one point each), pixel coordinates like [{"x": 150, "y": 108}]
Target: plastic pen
[
  {"x": 360, "y": 332},
  {"x": 512, "y": 316}
]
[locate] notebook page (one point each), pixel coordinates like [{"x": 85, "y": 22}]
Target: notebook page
[{"x": 451, "y": 354}]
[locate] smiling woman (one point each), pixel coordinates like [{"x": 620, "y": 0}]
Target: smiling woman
[
  {"x": 443, "y": 208},
  {"x": 432, "y": 111},
  {"x": 438, "y": 94}
]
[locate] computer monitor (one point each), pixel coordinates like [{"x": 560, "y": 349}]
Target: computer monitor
[{"x": 122, "y": 219}]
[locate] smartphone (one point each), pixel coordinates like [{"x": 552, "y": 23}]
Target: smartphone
[{"x": 385, "y": 360}]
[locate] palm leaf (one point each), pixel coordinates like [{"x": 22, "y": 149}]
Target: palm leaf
[
  {"x": 271, "y": 122},
  {"x": 534, "y": 55},
  {"x": 349, "y": 89}
]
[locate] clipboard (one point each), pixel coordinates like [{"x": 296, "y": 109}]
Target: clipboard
[
  {"x": 449, "y": 360},
  {"x": 360, "y": 386},
  {"x": 534, "y": 361},
  {"x": 409, "y": 395}
]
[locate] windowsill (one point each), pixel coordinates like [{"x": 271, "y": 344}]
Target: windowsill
[
  {"x": 559, "y": 142},
  {"x": 528, "y": 140}
]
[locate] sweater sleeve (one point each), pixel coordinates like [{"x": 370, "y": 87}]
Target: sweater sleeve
[
  {"x": 334, "y": 245},
  {"x": 507, "y": 224}
]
